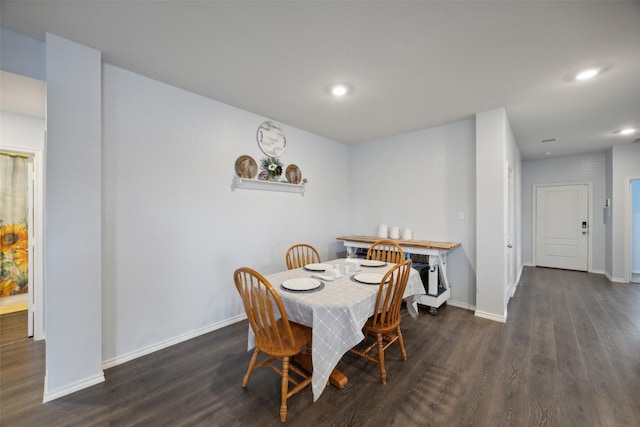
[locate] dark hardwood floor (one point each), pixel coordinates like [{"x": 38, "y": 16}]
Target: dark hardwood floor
[
  {"x": 13, "y": 327},
  {"x": 569, "y": 355}
]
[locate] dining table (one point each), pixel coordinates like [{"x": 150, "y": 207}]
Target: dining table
[{"x": 336, "y": 310}]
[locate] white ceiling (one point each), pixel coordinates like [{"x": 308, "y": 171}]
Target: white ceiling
[{"x": 413, "y": 65}]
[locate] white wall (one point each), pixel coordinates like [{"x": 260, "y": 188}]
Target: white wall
[
  {"x": 585, "y": 168},
  {"x": 73, "y": 218},
  {"x": 625, "y": 164},
  {"x": 421, "y": 180},
  {"x": 608, "y": 233},
  {"x": 635, "y": 226},
  {"x": 22, "y": 55},
  {"x": 174, "y": 231},
  {"x": 495, "y": 149},
  {"x": 514, "y": 161},
  {"x": 21, "y": 132},
  {"x": 491, "y": 278}
]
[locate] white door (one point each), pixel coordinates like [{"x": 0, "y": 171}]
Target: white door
[{"x": 562, "y": 226}]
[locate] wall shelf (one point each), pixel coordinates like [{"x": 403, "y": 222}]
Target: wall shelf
[{"x": 256, "y": 184}]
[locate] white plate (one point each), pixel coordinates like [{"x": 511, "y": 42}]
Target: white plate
[
  {"x": 368, "y": 278},
  {"x": 301, "y": 284},
  {"x": 316, "y": 267},
  {"x": 373, "y": 263}
]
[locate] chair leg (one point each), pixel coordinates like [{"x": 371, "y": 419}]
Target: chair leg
[
  {"x": 285, "y": 388},
  {"x": 401, "y": 344},
  {"x": 252, "y": 363},
  {"x": 383, "y": 372}
]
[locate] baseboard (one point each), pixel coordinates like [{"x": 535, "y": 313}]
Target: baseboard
[
  {"x": 106, "y": 364},
  {"x": 520, "y": 271},
  {"x": 491, "y": 316},
  {"x": 461, "y": 305},
  {"x": 597, "y": 272},
  {"x": 618, "y": 280},
  {"x": 513, "y": 290},
  {"x": 71, "y": 388},
  {"x": 614, "y": 279}
]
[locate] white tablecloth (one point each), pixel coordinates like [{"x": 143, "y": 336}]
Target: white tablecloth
[{"x": 336, "y": 313}]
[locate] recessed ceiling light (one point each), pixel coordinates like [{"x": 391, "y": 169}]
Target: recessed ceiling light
[
  {"x": 339, "y": 90},
  {"x": 587, "y": 74},
  {"x": 627, "y": 131},
  {"x": 547, "y": 153}
]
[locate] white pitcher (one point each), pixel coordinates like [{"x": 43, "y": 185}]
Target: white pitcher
[{"x": 407, "y": 234}]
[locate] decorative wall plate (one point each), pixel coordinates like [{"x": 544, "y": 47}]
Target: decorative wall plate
[
  {"x": 293, "y": 174},
  {"x": 271, "y": 139},
  {"x": 246, "y": 167}
]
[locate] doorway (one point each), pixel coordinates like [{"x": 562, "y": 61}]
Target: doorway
[
  {"x": 562, "y": 221},
  {"x": 15, "y": 209},
  {"x": 21, "y": 234}
]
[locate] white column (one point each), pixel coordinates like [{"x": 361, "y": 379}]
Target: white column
[{"x": 73, "y": 224}]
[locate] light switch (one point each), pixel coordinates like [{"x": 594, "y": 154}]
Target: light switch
[{"x": 460, "y": 215}]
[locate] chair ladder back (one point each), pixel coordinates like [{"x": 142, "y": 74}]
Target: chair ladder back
[
  {"x": 273, "y": 334},
  {"x": 389, "y": 299},
  {"x": 266, "y": 319},
  {"x": 300, "y": 255},
  {"x": 263, "y": 307},
  {"x": 385, "y": 250}
]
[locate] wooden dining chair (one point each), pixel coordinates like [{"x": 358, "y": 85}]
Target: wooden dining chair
[
  {"x": 274, "y": 335},
  {"x": 300, "y": 255},
  {"x": 385, "y": 250},
  {"x": 384, "y": 325}
]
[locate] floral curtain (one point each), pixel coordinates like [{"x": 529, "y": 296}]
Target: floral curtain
[{"x": 14, "y": 237}]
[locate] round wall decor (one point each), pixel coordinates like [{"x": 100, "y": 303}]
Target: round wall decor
[{"x": 271, "y": 139}]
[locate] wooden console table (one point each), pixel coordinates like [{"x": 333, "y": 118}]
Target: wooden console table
[{"x": 437, "y": 252}]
